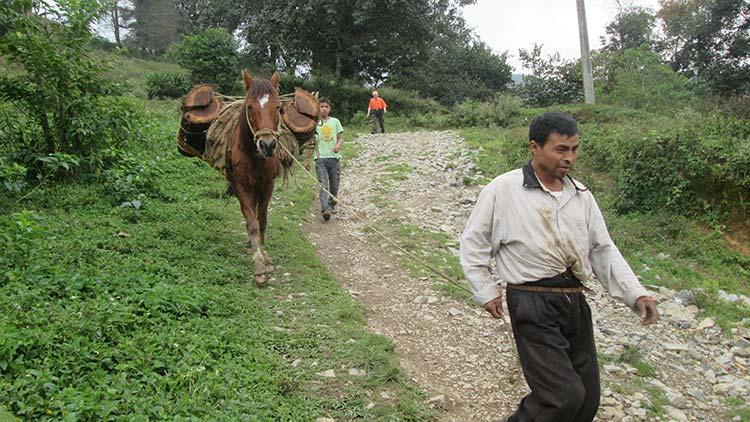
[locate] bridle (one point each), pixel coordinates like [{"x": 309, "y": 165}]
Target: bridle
[{"x": 260, "y": 132}]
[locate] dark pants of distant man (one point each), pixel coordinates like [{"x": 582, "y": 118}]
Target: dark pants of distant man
[
  {"x": 377, "y": 121},
  {"x": 555, "y": 342}
]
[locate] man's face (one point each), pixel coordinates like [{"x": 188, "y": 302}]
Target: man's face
[
  {"x": 375, "y": 94},
  {"x": 325, "y": 108},
  {"x": 557, "y": 156}
]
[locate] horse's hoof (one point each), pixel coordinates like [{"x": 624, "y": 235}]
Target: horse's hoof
[{"x": 261, "y": 280}]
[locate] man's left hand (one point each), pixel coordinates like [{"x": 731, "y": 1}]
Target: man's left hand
[
  {"x": 336, "y": 148},
  {"x": 646, "y": 307}
]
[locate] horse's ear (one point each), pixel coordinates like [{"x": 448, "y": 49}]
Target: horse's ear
[
  {"x": 275, "y": 80},
  {"x": 248, "y": 79}
]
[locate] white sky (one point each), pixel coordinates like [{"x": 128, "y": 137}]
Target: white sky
[{"x": 508, "y": 25}]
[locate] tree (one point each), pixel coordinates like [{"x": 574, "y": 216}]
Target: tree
[
  {"x": 53, "y": 80},
  {"x": 456, "y": 70},
  {"x": 157, "y": 25},
  {"x": 227, "y": 14},
  {"x": 211, "y": 57},
  {"x": 709, "y": 40},
  {"x": 630, "y": 28},
  {"x": 552, "y": 80},
  {"x": 639, "y": 78}
]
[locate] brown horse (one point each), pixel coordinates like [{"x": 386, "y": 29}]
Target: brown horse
[{"x": 255, "y": 165}]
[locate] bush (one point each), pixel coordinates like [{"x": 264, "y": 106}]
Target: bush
[
  {"x": 552, "y": 80},
  {"x": 167, "y": 84},
  {"x": 211, "y": 57},
  {"x": 54, "y": 82},
  {"x": 131, "y": 180},
  {"x": 18, "y": 233},
  {"x": 638, "y": 78},
  {"x": 688, "y": 164},
  {"x": 12, "y": 175},
  {"x": 500, "y": 112},
  {"x": 349, "y": 98}
]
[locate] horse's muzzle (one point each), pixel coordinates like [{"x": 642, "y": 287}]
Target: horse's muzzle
[{"x": 267, "y": 147}]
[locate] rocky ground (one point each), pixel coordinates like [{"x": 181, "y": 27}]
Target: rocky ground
[{"x": 684, "y": 366}]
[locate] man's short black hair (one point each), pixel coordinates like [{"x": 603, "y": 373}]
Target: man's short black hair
[
  {"x": 324, "y": 100},
  {"x": 553, "y": 122}
]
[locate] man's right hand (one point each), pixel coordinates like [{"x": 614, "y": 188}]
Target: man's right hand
[{"x": 495, "y": 307}]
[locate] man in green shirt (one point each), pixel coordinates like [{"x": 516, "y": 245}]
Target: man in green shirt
[{"x": 330, "y": 136}]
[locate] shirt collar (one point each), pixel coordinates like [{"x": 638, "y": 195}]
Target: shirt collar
[
  {"x": 531, "y": 181},
  {"x": 529, "y": 178}
]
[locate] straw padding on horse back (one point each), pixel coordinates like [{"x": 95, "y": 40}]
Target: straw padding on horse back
[
  {"x": 306, "y": 103},
  {"x": 219, "y": 136}
]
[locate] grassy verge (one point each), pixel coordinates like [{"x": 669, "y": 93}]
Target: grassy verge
[
  {"x": 151, "y": 312},
  {"x": 666, "y": 250}
]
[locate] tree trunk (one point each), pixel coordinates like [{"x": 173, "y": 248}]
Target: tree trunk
[
  {"x": 337, "y": 71},
  {"x": 47, "y": 132},
  {"x": 116, "y": 23}
]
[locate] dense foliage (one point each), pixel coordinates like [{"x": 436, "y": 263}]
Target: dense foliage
[
  {"x": 210, "y": 56},
  {"x": 54, "y": 83},
  {"x": 638, "y": 78},
  {"x": 167, "y": 84},
  {"x": 552, "y": 79}
]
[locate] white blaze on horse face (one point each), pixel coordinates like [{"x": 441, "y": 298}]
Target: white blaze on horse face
[{"x": 262, "y": 101}]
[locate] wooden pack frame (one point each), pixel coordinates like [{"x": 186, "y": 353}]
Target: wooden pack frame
[
  {"x": 301, "y": 115},
  {"x": 201, "y": 105}
]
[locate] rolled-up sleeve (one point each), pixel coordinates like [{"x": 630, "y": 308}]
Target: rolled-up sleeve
[
  {"x": 608, "y": 264},
  {"x": 476, "y": 248}
]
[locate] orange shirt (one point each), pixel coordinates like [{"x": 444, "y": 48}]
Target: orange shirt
[{"x": 377, "y": 104}]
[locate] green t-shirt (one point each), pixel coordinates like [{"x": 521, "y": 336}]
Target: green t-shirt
[{"x": 327, "y": 133}]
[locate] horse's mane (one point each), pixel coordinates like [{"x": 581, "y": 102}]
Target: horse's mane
[{"x": 260, "y": 87}]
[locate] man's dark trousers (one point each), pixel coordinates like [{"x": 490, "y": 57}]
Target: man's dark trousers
[
  {"x": 377, "y": 120},
  {"x": 328, "y": 171},
  {"x": 555, "y": 342}
]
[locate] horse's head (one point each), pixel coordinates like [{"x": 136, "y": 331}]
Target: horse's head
[{"x": 262, "y": 112}]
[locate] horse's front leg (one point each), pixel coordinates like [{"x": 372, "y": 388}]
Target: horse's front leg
[
  {"x": 254, "y": 242},
  {"x": 264, "y": 199}
]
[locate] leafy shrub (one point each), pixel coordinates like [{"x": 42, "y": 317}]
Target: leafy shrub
[
  {"x": 18, "y": 233},
  {"x": 552, "y": 79},
  {"x": 167, "y": 84},
  {"x": 689, "y": 164},
  {"x": 211, "y": 57},
  {"x": 430, "y": 120},
  {"x": 55, "y": 81},
  {"x": 349, "y": 98},
  {"x": 12, "y": 175},
  {"x": 638, "y": 78},
  {"x": 500, "y": 112},
  {"x": 131, "y": 180}
]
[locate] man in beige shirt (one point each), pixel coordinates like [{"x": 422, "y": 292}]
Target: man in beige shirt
[{"x": 547, "y": 234}]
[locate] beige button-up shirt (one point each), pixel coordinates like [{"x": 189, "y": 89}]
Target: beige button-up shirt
[{"x": 534, "y": 235}]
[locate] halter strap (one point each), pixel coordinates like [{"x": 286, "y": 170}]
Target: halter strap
[{"x": 257, "y": 134}]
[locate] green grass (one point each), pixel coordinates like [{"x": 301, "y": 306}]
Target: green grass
[
  {"x": 633, "y": 356},
  {"x": 162, "y": 321},
  {"x": 737, "y": 407},
  {"x": 698, "y": 257},
  {"x": 430, "y": 248},
  {"x": 132, "y": 70}
]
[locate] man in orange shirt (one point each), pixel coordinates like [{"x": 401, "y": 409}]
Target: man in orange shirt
[{"x": 377, "y": 108}]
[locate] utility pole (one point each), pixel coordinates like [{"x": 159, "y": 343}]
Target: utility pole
[{"x": 588, "y": 79}]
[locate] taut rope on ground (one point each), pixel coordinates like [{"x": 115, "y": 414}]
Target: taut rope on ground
[{"x": 516, "y": 378}]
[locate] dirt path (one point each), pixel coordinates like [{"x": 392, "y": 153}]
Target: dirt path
[{"x": 456, "y": 352}]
